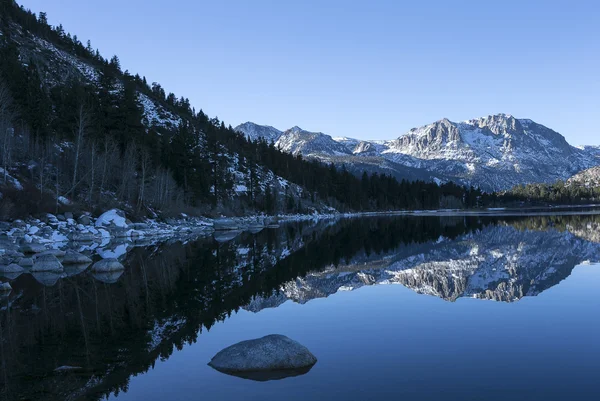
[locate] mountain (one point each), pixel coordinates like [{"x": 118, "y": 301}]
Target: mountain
[
  {"x": 494, "y": 153},
  {"x": 295, "y": 140},
  {"x": 254, "y": 132},
  {"x": 589, "y": 178},
  {"x": 593, "y": 151}
]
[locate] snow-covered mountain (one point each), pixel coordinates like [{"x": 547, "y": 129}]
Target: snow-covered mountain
[
  {"x": 593, "y": 151},
  {"x": 255, "y": 131},
  {"x": 296, "y": 140},
  {"x": 494, "y": 153}
]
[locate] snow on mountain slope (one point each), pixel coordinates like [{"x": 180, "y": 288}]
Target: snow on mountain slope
[
  {"x": 298, "y": 141},
  {"x": 254, "y": 131},
  {"x": 589, "y": 178},
  {"x": 593, "y": 151},
  {"x": 495, "y": 152}
]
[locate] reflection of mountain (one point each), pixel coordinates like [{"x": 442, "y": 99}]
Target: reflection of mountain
[
  {"x": 168, "y": 294},
  {"x": 499, "y": 262}
]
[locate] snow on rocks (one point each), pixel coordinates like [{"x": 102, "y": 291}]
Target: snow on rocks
[{"x": 114, "y": 217}]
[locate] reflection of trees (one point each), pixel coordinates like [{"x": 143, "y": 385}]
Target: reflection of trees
[{"x": 168, "y": 294}]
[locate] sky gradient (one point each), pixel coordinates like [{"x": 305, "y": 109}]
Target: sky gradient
[{"x": 370, "y": 70}]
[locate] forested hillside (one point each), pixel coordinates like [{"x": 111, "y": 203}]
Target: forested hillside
[{"x": 76, "y": 131}]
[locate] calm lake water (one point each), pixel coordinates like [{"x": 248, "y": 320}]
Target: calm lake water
[{"x": 412, "y": 308}]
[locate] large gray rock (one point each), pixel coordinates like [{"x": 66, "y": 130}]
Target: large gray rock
[
  {"x": 11, "y": 268},
  {"x": 107, "y": 265},
  {"x": 25, "y": 262},
  {"x": 75, "y": 258},
  {"x": 226, "y": 224},
  {"x": 32, "y": 248},
  {"x": 267, "y": 358},
  {"x": 47, "y": 263},
  {"x": 85, "y": 220},
  {"x": 56, "y": 252}
]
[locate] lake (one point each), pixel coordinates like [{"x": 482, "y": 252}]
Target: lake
[{"x": 404, "y": 307}]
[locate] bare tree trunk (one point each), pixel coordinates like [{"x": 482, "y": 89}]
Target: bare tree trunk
[
  {"x": 93, "y": 171},
  {"x": 6, "y": 131},
  {"x": 81, "y": 127}
]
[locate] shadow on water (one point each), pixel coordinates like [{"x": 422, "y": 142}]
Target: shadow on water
[{"x": 101, "y": 329}]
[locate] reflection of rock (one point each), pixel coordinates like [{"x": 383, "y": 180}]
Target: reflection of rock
[
  {"x": 107, "y": 265},
  {"x": 75, "y": 258},
  {"x": 225, "y": 236},
  {"x": 47, "y": 278},
  {"x": 73, "y": 270},
  {"x": 267, "y": 358},
  {"x": 47, "y": 263},
  {"x": 108, "y": 277}
]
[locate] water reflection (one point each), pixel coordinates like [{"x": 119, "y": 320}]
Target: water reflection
[{"x": 113, "y": 326}]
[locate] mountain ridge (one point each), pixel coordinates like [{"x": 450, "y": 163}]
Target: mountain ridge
[{"x": 495, "y": 152}]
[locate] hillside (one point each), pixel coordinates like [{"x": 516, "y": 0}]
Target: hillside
[
  {"x": 79, "y": 132},
  {"x": 493, "y": 153}
]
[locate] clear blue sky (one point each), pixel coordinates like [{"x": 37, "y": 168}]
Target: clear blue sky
[{"x": 367, "y": 69}]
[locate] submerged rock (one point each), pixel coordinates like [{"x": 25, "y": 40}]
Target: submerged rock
[
  {"x": 268, "y": 358},
  {"x": 47, "y": 263},
  {"x": 107, "y": 265},
  {"x": 75, "y": 258}
]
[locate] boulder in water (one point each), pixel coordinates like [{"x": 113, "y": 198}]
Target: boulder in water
[
  {"x": 32, "y": 248},
  {"x": 25, "y": 262},
  {"x": 47, "y": 263},
  {"x": 75, "y": 258},
  {"x": 107, "y": 265},
  {"x": 268, "y": 358},
  {"x": 11, "y": 268}
]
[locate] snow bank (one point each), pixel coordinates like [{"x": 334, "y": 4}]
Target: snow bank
[{"x": 113, "y": 216}]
